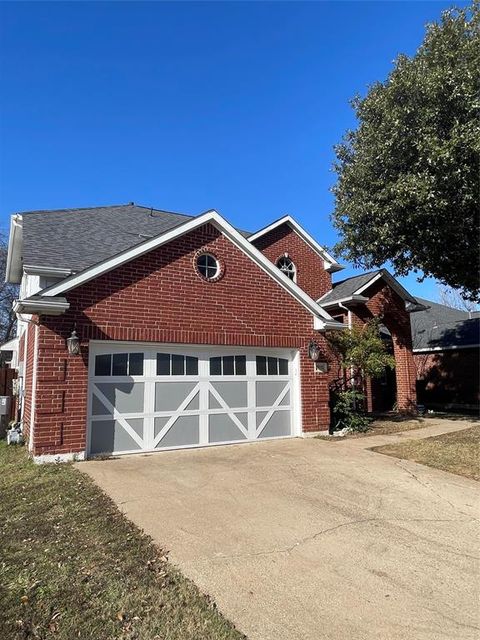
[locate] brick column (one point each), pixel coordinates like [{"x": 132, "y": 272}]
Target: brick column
[
  {"x": 405, "y": 373},
  {"x": 368, "y": 395}
]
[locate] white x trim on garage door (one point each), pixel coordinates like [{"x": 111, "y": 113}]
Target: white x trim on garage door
[{"x": 155, "y": 397}]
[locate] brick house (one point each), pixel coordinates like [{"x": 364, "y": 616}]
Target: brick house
[
  {"x": 190, "y": 332},
  {"x": 446, "y": 349}
]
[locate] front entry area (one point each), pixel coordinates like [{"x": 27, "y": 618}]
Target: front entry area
[{"x": 156, "y": 397}]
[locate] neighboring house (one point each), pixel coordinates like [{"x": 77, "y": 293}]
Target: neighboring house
[
  {"x": 446, "y": 347},
  {"x": 190, "y": 332}
]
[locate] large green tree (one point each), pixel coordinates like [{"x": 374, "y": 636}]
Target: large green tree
[{"x": 408, "y": 176}]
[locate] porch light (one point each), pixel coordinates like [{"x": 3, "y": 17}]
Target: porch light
[
  {"x": 73, "y": 344},
  {"x": 313, "y": 351}
]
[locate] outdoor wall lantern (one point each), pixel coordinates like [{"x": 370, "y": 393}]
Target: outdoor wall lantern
[
  {"x": 73, "y": 344},
  {"x": 313, "y": 351}
]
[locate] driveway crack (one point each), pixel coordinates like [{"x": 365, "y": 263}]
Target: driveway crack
[{"x": 322, "y": 532}]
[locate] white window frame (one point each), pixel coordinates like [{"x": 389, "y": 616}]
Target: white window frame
[{"x": 285, "y": 272}]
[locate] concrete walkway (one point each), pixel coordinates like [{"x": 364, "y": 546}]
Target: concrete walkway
[
  {"x": 305, "y": 539},
  {"x": 427, "y": 429}
]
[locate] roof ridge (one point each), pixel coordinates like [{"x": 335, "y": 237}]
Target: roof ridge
[
  {"x": 107, "y": 206},
  {"x": 176, "y": 213}
]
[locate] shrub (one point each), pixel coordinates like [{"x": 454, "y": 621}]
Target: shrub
[{"x": 348, "y": 412}]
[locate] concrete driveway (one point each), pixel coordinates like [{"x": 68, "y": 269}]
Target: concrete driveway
[{"x": 299, "y": 539}]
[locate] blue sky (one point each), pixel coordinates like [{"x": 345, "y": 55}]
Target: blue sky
[{"x": 191, "y": 106}]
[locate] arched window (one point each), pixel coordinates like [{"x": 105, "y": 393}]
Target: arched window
[{"x": 286, "y": 265}]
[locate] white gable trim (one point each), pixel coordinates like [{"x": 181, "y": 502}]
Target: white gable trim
[
  {"x": 354, "y": 299},
  {"x": 329, "y": 261},
  {"x": 13, "y": 271},
  {"x": 392, "y": 282},
  {"x": 323, "y": 319}
]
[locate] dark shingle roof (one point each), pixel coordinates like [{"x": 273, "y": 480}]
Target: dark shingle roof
[
  {"x": 346, "y": 288},
  {"x": 78, "y": 238},
  {"x": 441, "y": 326}
]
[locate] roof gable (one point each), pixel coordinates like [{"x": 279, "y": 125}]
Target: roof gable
[
  {"x": 356, "y": 289},
  {"x": 322, "y": 319},
  {"x": 330, "y": 263}
]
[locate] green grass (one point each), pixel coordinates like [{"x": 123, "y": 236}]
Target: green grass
[
  {"x": 457, "y": 452},
  {"x": 72, "y": 566}
]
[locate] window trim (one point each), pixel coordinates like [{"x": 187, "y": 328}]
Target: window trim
[{"x": 219, "y": 263}]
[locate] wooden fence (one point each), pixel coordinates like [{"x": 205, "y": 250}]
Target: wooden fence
[{"x": 7, "y": 376}]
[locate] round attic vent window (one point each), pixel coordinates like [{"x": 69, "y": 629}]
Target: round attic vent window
[{"x": 208, "y": 266}]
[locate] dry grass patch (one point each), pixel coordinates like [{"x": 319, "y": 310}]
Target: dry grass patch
[
  {"x": 394, "y": 425},
  {"x": 73, "y": 567},
  {"x": 383, "y": 427},
  {"x": 457, "y": 452}
]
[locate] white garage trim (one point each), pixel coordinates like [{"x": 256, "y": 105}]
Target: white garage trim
[{"x": 144, "y": 409}]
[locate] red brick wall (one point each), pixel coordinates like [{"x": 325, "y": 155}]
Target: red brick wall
[
  {"x": 159, "y": 298},
  {"x": 311, "y": 275},
  {"x": 448, "y": 377}
]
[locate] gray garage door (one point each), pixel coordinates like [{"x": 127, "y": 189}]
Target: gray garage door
[{"x": 153, "y": 398}]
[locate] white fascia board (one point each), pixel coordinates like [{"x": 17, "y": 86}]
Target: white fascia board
[
  {"x": 330, "y": 264},
  {"x": 14, "y": 271},
  {"x": 324, "y": 325},
  {"x": 451, "y": 348},
  {"x": 225, "y": 228},
  {"x": 49, "y": 307},
  {"x": 354, "y": 299},
  {"x": 35, "y": 270}
]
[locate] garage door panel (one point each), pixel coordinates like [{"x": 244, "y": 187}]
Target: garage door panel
[
  {"x": 98, "y": 408},
  {"x": 221, "y": 427},
  {"x": 125, "y": 397},
  {"x": 234, "y": 394},
  {"x": 277, "y": 425},
  {"x": 184, "y": 431},
  {"x": 268, "y": 392},
  {"x": 110, "y": 436},
  {"x": 169, "y": 397}
]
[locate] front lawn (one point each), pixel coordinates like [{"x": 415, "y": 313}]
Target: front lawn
[
  {"x": 72, "y": 566},
  {"x": 457, "y": 452}
]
